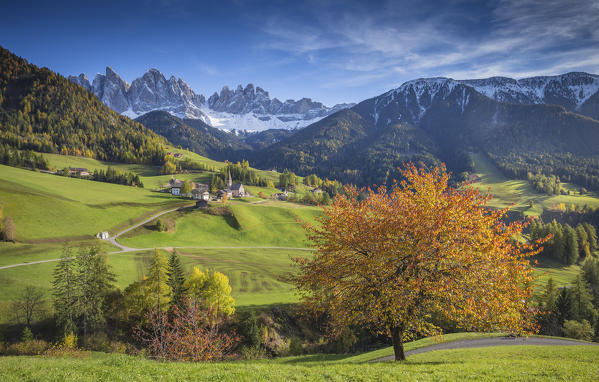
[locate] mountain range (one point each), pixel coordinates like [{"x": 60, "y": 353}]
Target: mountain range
[
  {"x": 244, "y": 109},
  {"x": 539, "y": 124},
  {"x": 544, "y": 125}
]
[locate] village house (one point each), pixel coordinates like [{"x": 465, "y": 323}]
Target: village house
[
  {"x": 78, "y": 171},
  {"x": 175, "y": 186}
]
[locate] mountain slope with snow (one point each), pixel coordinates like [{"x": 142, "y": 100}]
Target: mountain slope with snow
[{"x": 242, "y": 109}]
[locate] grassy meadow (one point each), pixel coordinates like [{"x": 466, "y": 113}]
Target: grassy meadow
[
  {"x": 514, "y": 363},
  {"x": 517, "y": 194}
]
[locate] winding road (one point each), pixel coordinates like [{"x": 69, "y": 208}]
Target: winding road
[
  {"x": 125, "y": 249},
  {"x": 497, "y": 341}
]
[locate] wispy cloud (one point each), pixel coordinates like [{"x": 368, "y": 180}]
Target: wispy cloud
[{"x": 358, "y": 44}]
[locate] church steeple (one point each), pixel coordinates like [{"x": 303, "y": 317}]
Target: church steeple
[{"x": 230, "y": 181}]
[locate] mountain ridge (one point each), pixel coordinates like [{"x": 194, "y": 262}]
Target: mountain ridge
[{"x": 249, "y": 108}]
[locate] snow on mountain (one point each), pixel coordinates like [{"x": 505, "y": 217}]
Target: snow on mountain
[
  {"x": 410, "y": 101},
  {"x": 570, "y": 90},
  {"x": 249, "y": 108}
]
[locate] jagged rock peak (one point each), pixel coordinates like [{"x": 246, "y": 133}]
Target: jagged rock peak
[{"x": 81, "y": 80}]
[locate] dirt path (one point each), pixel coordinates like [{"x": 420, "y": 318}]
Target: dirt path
[{"x": 498, "y": 341}]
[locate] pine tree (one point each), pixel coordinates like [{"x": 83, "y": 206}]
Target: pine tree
[
  {"x": 66, "y": 292},
  {"x": 591, "y": 235},
  {"x": 563, "y": 306},
  {"x": 95, "y": 278},
  {"x": 582, "y": 306},
  {"x": 157, "y": 286},
  {"x": 176, "y": 280},
  {"x": 571, "y": 245}
]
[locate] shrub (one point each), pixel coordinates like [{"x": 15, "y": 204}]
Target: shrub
[
  {"x": 295, "y": 346},
  {"x": 160, "y": 226},
  {"x": 253, "y": 352},
  {"x": 579, "y": 330},
  {"x": 98, "y": 342},
  {"x": 27, "y": 335},
  {"x": 32, "y": 347}
]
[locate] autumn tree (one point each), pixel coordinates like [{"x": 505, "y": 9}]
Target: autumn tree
[
  {"x": 8, "y": 229},
  {"x": 392, "y": 260},
  {"x": 212, "y": 290}
]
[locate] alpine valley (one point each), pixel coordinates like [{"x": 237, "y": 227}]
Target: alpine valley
[{"x": 540, "y": 124}]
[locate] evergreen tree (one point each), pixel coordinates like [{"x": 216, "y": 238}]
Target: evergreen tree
[
  {"x": 157, "y": 286},
  {"x": 176, "y": 280},
  {"x": 571, "y": 245},
  {"x": 591, "y": 235},
  {"x": 582, "y": 306},
  {"x": 563, "y": 307},
  {"x": 66, "y": 292},
  {"x": 95, "y": 278},
  {"x": 548, "y": 319}
]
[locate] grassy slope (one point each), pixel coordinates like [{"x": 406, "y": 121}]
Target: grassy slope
[
  {"x": 515, "y": 363},
  {"x": 49, "y": 210},
  {"x": 519, "y": 192},
  {"x": 50, "y": 206},
  {"x": 260, "y": 224}
]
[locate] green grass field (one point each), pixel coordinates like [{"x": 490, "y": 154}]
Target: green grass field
[
  {"x": 507, "y": 192},
  {"x": 47, "y": 206},
  {"x": 514, "y": 363},
  {"x": 260, "y": 224}
]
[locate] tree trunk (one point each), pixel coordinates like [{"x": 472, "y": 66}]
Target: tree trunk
[{"x": 398, "y": 344}]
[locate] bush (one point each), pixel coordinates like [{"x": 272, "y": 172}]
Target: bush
[
  {"x": 253, "y": 352},
  {"x": 97, "y": 342},
  {"x": 295, "y": 346},
  {"x": 579, "y": 330},
  {"x": 32, "y": 347},
  {"x": 160, "y": 226}
]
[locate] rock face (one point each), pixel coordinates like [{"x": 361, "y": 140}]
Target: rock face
[
  {"x": 257, "y": 100},
  {"x": 249, "y": 108},
  {"x": 81, "y": 80},
  {"x": 112, "y": 90},
  {"x": 153, "y": 91}
]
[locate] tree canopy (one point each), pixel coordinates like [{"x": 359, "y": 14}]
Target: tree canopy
[{"x": 421, "y": 248}]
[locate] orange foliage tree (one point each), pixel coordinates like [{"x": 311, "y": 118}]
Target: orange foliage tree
[{"x": 394, "y": 260}]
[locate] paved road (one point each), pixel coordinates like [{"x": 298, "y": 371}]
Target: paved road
[{"x": 497, "y": 341}]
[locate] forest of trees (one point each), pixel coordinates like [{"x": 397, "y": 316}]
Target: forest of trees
[
  {"x": 112, "y": 175},
  {"x": 43, "y": 111},
  {"x": 168, "y": 313},
  {"x": 23, "y": 159},
  {"x": 583, "y": 170},
  {"x": 574, "y": 311},
  {"x": 568, "y": 244},
  {"x": 549, "y": 185}
]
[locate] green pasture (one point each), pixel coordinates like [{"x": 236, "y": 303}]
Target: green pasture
[
  {"x": 513, "y": 363},
  {"x": 47, "y": 206},
  {"x": 259, "y": 224},
  {"x": 517, "y": 194}
]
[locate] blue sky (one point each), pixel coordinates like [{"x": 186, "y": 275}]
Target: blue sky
[{"x": 331, "y": 51}]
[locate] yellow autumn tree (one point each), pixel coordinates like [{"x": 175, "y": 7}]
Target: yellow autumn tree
[
  {"x": 421, "y": 248},
  {"x": 212, "y": 289}
]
